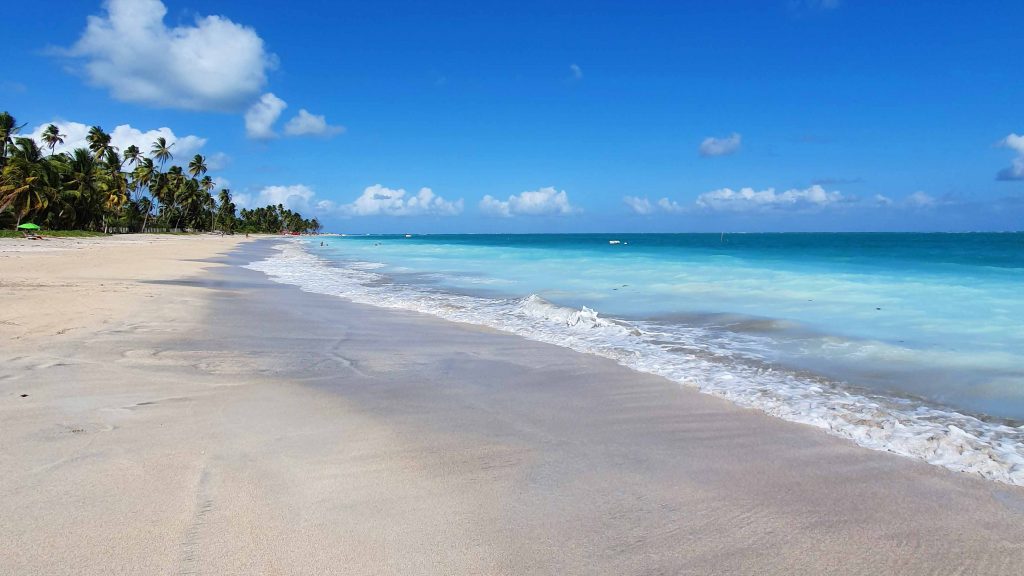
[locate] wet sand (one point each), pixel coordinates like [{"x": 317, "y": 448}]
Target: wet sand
[{"x": 185, "y": 415}]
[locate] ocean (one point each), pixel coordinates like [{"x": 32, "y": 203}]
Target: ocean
[{"x": 909, "y": 343}]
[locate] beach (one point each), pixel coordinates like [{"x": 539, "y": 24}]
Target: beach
[{"x": 167, "y": 410}]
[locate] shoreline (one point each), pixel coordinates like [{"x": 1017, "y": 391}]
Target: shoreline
[
  {"x": 941, "y": 435},
  {"x": 205, "y": 418}
]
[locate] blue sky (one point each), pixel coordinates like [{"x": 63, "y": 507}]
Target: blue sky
[{"x": 557, "y": 117}]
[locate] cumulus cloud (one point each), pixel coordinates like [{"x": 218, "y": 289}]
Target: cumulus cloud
[
  {"x": 1016, "y": 169},
  {"x": 545, "y": 201},
  {"x": 217, "y": 161},
  {"x": 379, "y": 200},
  {"x": 261, "y": 116},
  {"x": 670, "y": 206},
  {"x": 639, "y": 205},
  {"x": 645, "y": 206},
  {"x": 746, "y": 199},
  {"x": 211, "y": 64},
  {"x": 881, "y": 200},
  {"x": 712, "y": 146},
  {"x": 306, "y": 124},
  {"x": 121, "y": 137},
  {"x": 298, "y": 197}
]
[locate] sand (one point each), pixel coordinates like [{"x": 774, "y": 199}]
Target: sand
[{"x": 186, "y": 416}]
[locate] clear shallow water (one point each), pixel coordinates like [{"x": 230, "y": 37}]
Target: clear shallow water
[{"x": 905, "y": 342}]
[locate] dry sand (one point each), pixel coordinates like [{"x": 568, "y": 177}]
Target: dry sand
[{"x": 186, "y": 416}]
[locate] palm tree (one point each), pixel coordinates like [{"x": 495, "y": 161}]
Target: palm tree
[
  {"x": 143, "y": 175},
  {"x": 87, "y": 185},
  {"x": 28, "y": 149},
  {"x": 146, "y": 207},
  {"x": 197, "y": 166},
  {"x": 161, "y": 151},
  {"x": 132, "y": 155},
  {"x": 8, "y": 128},
  {"x": 186, "y": 197},
  {"x": 23, "y": 187},
  {"x": 52, "y": 137},
  {"x": 99, "y": 142},
  {"x": 225, "y": 210}
]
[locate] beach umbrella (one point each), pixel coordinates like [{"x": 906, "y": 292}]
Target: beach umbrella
[{"x": 28, "y": 226}]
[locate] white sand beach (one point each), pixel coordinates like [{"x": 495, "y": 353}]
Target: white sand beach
[{"x": 165, "y": 411}]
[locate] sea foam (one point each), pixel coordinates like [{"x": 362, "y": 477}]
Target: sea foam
[{"x": 689, "y": 357}]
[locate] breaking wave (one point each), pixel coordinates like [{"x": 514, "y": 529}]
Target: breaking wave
[{"x": 693, "y": 357}]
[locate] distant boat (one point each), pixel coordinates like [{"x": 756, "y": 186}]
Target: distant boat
[
  {"x": 408, "y": 235},
  {"x": 614, "y": 242}
]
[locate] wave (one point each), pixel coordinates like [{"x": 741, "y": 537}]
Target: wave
[{"x": 693, "y": 357}]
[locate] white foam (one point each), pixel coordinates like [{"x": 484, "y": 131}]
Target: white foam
[{"x": 688, "y": 356}]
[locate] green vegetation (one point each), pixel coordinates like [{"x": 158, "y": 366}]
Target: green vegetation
[
  {"x": 100, "y": 189},
  {"x": 53, "y": 233}
]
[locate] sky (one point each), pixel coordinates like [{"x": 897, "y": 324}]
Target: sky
[{"x": 539, "y": 116}]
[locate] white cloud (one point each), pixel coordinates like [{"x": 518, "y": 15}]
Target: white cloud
[
  {"x": 1016, "y": 169},
  {"x": 296, "y": 197},
  {"x": 260, "y": 117},
  {"x": 727, "y": 199},
  {"x": 576, "y": 71},
  {"x": 122, "y": 137},
  {"x": 920, "y": 200},
  {"x": 881, "y": 200},
  {"x": 213, "y": 64},
  {"x": 306, "y": 124},
  {"x": 639, "y": 205},
  {"x": 184, "y": 147},
  {"x": 712, "y": 146},
  {"x": 545, "y": 201},
  {"x": 378, "y": 200},
  {"x": 217, "y": 161},
  {"x": 670, "y": 205}
]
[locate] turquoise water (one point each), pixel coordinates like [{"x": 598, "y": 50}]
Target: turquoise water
[
  {"x": 952, "y": 303},
  {"x": 910, "y": 343}
]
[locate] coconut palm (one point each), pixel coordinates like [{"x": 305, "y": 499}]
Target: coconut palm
[
  {"x": 24, "y": 187},
  {"x": 225, "y": 210},
  {"x": 87, "y": 186},
  {"x": 197, "y": 166},
  {"x": 8, "y": 128},
  {"x": 132, "y": 154},
  {"x": 52, "y": 137},
  {"x": 146, "y": 207},
  {"x": 28, "y": 149},
  {"x": 99, "y": 142},
  {"x": 143, "y": 175},
  {"x": 161, "y": 151},
  {"x": 187, "y": 199}
]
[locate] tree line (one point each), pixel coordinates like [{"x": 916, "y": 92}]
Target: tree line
[{"x": 102, "y": 188}]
